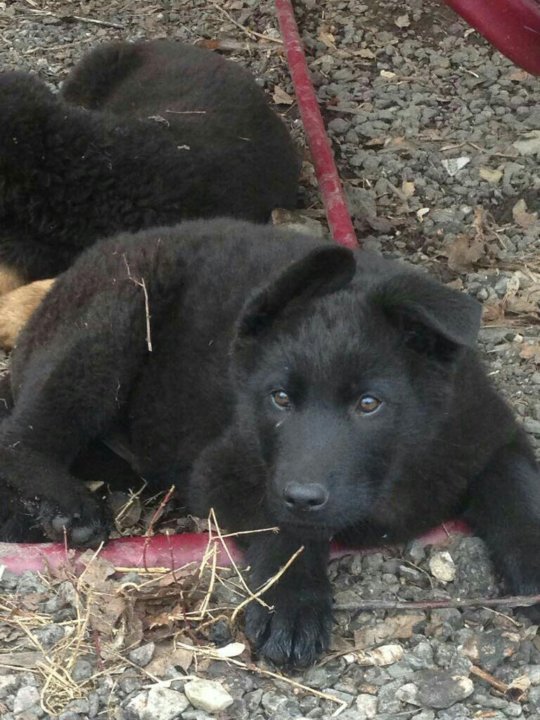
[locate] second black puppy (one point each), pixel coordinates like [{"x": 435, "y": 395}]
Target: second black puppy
[
  {"x": 284, "y": 382},
  {"x": 142, "y": 134}
]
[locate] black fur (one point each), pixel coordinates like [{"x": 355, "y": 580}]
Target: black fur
[
  {"x": 238, "y": 313},
  {"x": 142, "y": 134}
]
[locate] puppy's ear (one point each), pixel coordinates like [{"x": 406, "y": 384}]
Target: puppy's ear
[
  {"x": 435, "y": 320},
  {"x": 321, "y": 272}
]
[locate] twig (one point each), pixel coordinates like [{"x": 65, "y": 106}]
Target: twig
[
  {"x": 78, "y": 18},
  {"x": 509, "y": 602},
  {"x": 213, "y": 521},
  {"x": 490, "y": 679},
  {"x": 158, "y": 511},
  {"x": 92, "y": 21},
  {"x": 186, "y": 112},
  {"x": 247, "y": 31},
  {"x": 142, "y": 285},
  {"x": 268, "y": 584}
]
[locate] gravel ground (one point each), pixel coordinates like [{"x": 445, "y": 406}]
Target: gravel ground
[{"x": 437, "y": 137}]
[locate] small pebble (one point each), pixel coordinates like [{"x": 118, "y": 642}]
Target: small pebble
[{"x": 208, "y": 695}]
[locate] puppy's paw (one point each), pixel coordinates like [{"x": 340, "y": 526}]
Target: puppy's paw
[
  {"x": 296, "y": 632},
  {"x": 83, "y": 522}
]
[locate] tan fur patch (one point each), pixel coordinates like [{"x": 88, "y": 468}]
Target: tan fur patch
[
  {"x": 16, "y": 308},
  {"x": 9, "y": 279}
]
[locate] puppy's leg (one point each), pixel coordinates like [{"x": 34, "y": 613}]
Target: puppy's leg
[
  {"x": 16, "y": 307},
  {"x": 504, "y": 509},
  {"x": 69, "y": 391},
  {"x": 230, "y": 477},
  {"x": 296, "y": 629}
]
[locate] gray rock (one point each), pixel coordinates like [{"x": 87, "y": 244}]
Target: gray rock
[
  {"x": 142, "y": 655},
  {"x": 30, "y": 582},
  {"x": 439, "y": 689},
  {"x": 534, "y": 698},
  {"x": 489, "y": 649},
  {"x": 129, "y": 683},
  {"x": 253, "y": 699},
  {"x": 50, "y": 635},
  {"x": 208, "y": 695},
  {"x": 533, "y": 671},
  {"x": 8, "y": 683},
  {"x": 338, "y": 126},
  {"x": 366, "y": 706},
  {"x": 387, "y": 700},
  {"x": 158, "y": 703},
  {"x": 317, "y": 678},
  {"x": 25, "y": 699},
  {"x": 80, "y": 706},
  {"x": 93, "y": 703},
  {"x": 82, "y": 670},
  {"x": 273, "y": 703}
]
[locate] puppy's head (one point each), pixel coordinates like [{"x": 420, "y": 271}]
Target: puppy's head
[{"x": 342, "y": 378}]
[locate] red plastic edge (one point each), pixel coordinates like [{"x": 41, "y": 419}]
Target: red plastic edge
[
  {"x": 335, "y": 204},
  {"x": 513, "y": 26},
  {"x": 161, "y": 551}
]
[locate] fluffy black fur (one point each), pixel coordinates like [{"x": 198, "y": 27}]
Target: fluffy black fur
[
  {"x": 290, "y": 383},
  {"x": 142, "y": 134}
]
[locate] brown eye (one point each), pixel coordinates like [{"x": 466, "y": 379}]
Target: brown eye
[
  {"x": 368, "y": 404},
  {"x": 281, "y": 400}
]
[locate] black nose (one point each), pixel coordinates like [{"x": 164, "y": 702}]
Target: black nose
[{"x": 305, "y": 496}]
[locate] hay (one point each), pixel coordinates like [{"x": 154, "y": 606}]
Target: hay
[{"x": 177, "y": 608}]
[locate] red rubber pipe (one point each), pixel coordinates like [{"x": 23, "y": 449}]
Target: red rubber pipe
[
  {"x": 513, "y": 26},
  {"x": 335, "y": 204},
  {"x": 164, "y": 551}
]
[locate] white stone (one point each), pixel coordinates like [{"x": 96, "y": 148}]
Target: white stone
[
  {"x": 159, "y": 703},
  {"x": 381, "y": 656},
  {"x": 25, "y": 699},
  {"x": 8, "y": 683},
  {"x": 408, "y": 694},
  {"x": 442, "y": 566},
  {"x": 454, "y": 165},
  {"x": 208, "y": 695},
  {"x": 367, "y": 706}
]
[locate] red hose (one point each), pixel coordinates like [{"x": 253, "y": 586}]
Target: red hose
[
  {"x": 335, "y": 204},
  {"x": 513, "y": 26},
  {"x": 164, "y": 551}
]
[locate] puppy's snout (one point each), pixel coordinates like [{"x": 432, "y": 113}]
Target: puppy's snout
[{"x": 305, "y": 496}]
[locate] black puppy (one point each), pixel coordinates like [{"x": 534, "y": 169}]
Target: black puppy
[
  {"x": 283, "y": 382},
  {"x": 141, "y": 135}
]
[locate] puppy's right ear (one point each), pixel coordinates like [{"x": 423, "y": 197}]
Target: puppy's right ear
[
  {"x": 435, "y": 320},
  {"x": 321, "y": 272}
]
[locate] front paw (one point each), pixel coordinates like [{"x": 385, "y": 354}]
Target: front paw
[
  {"x": 82, "y": 522},
  {"x": 296, "y": 631}
]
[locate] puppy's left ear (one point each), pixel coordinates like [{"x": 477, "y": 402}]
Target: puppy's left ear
[
  {"x": 435, "y": 320},
  {"x": 322, "y": 271}
]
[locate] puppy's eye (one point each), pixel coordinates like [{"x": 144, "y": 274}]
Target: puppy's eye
[
  {"x": 368, "y": 404},
  {"x": 281, "y": 400}
]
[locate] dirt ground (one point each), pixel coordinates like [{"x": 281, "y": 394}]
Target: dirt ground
[{"x": 437, "y": 138}]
